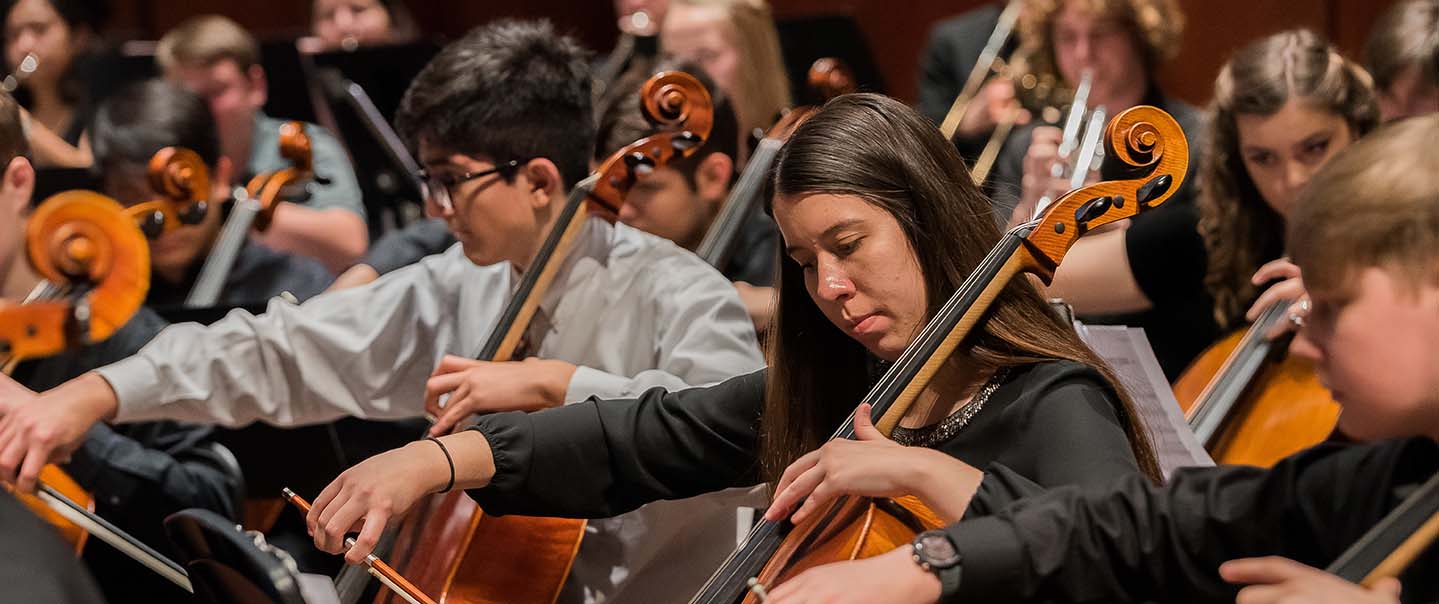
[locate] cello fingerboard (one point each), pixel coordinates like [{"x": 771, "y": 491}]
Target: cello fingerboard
[{"x": 1392, "y": 544}]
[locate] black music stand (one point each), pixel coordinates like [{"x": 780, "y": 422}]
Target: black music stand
[{"x": 225, "y": 565}]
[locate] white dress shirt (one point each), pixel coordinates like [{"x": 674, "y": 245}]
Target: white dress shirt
[{"x": 631, "y": 310}]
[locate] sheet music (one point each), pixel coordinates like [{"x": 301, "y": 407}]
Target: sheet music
[{"x": 1127, "y": 351}]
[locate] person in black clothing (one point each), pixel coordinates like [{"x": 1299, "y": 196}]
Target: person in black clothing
[
  {"x": 38, "y": 565},
  {"x": 61, "y": 40},
  {"x": 138, "y": 473},
  {"x": 148, "y": 116},
  {"x": 1283, "y": 106},
  {"x": 870, "y": 255},
  {"x": 949, "y": 57},
  {"x": 1366, "y": 235}
]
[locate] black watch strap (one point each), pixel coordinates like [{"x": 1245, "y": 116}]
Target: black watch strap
[
  {"x": 936, "y": 552},
  {"x": 949, "y": 581}
]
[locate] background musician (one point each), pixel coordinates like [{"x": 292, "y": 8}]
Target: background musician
[
  {"x": 680, "y": 202},
  {"x": 218, "y": 60},
  {"x": 350, "y": 24},
  {"x": 129, "y": 128},
  {"x": 1123, "y": 44},
  {"x": 1283, "y": 106},
  {"x": 736, "y": 44},
  {"x": 51, "y": 50},
  {"x": 1403, "y": 56},
  {"x": 953, "y": 48}
]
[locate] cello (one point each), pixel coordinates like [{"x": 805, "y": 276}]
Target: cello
[
  {"x": 256, "y": 208},
  {"x": 1388, "y": 548},
  {"x": 95, "y": 261},
  {"x": 447, "y": 546},
  {"x": 856, "y": 527},
  {"x": 1251, "y": 403},
  {"x": 828, "y": 78}
]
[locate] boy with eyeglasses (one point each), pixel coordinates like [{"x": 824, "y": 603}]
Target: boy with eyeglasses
[{"x": 502, "y": 123}]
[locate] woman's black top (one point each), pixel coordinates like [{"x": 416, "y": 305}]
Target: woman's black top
[
  {"x": 1053, "y": 424},
  {"x": 1167, "y": 258},
  {"x": 1134, "y": 542}
]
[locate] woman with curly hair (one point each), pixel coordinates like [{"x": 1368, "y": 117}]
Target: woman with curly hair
[{"x": 1282, "y": 107}]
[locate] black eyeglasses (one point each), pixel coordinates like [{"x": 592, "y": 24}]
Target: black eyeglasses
[{"x": 438, "y": 190}]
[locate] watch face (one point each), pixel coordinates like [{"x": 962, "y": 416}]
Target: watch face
[{"x": 938, "y": 550}]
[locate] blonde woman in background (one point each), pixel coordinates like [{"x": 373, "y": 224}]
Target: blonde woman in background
[{"x": 736, "y": 43}]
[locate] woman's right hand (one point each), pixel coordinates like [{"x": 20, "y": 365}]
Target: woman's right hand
[{"x": 365, "y": 497}]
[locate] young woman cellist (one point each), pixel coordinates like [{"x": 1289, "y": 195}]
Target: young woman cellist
[{"x": 878, "y": 233}]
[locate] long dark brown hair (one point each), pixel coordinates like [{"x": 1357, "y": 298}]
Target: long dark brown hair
[
  {"x": 1240, "y": 230},
  {"x": 876, "y": 148}
]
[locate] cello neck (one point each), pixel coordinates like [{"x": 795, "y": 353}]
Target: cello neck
[
  {"x": 893, "y": 394},
  {"x": 1388, "y": 548},
  {"x": 719, "y": 241},
  {"x": 1224, "y": 391},
  {"x": 216, "y": 270},
  {"x": 515, "y": 318}
]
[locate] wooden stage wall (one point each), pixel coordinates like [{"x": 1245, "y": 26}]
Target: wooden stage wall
[{"x": 1215, "y": 27}]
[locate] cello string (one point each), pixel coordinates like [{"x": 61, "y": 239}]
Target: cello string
[{"x": 916, "y": 354}]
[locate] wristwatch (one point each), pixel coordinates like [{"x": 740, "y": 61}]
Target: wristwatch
[{"x": 935, "y": 552}]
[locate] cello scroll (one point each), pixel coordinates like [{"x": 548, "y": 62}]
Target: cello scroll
[
  {"x": 182, "y": 181},
  {"x": 1143, "y": 138},
  {"x": 671, "y": 99}
]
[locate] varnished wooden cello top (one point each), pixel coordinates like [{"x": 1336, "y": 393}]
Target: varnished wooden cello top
[{"x": 1250, "y": 402}]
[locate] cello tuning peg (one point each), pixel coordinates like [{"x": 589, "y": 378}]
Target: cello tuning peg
[
  {"x": 686, "y": 140},
  {"x": 1091, "y": 210},
  {"x": 194, "y": 213},
  {"x": 1154, "y": 189}
]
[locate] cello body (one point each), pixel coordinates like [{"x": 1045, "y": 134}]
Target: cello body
[
  {"x": 1282, "y": 410},
  {"x": 852, "y": 528}
]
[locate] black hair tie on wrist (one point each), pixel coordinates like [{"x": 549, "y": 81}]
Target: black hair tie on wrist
[{"x": 449, "y": 459}]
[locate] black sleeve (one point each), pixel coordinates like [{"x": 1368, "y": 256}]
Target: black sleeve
[
  {"x": 598, "y": 459},
  {"x": 1166, "y": 253},
  {"x": 407, "y": 246},
  {"x": 141, "y": 473},
  {"x": 1070, "y": 432},
  {"x": 43, "y": 374},
  {"x": 38, "y": 566},
  {"x": 1133, "y": 541}
]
